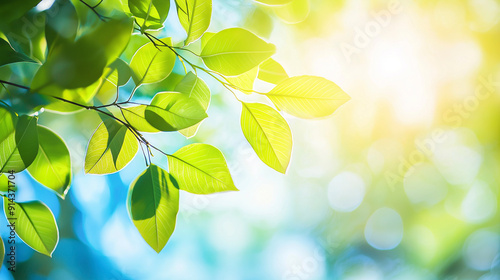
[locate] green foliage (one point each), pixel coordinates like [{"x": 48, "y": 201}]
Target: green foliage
[
  {"x": 52, "y": 165},
  {"x": 9, "y": 55},
  {"x": 110, "y": 149},
  {"x": 194, "y": 16},
  {"x": 150, "y": 14},
  {"x": 272, "y": 72},
  {"x": 35, "y": 224},
  {"x": 235, "y": 51},
  {"x": 200, "y": 169},
  {"x": 194, "y": 87},
  {"x": 308, "y": 96},
  {"x": 151, "y": 65},
  {"x": 268, "y": 133},
  {"x": 88, "y": 54},
  {"x": 153, "y": 203},
  {"x": 18, "y": 141},
  {"x": 2, "y": 252},
  {"x": 173, "y": 111},
  {"x": 11, "y": 10}
]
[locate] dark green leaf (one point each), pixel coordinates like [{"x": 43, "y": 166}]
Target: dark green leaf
[{"x": 9, "y": 55}]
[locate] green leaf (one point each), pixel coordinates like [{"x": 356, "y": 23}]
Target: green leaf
[
  {"x": 82, "y": 96},
  {"x": 294, "y": 12},
  {"x": 205, "y": 38},
  {"x": 52, "y": 165},
  {"x": 35, "y": 224},
  {"x": 18, "y": 141},
  {"x": 2, "y": 252},
  {"x": 136, "y": 118},
  {"x": 119, "y": 72},
  {"x": 9, "y": 55},
  {"x": 150, "y": 65},
  {"x": 11, "y": 10},
  {"x": 194, "y": 87},
  {"x": 172, "y": 111},
  {"x": 308, "y": 97},
  {"x": 274, "y": 2},
  {"x": 61, "y": 22},
  {"x": 153, "y": 203},
  {"x": 150, "y": 14},
  {"x": 235, "y": 51},
  {"x": 268, "y": 133},
  {"x": 245, "y": 81},
  {"x": 194, "y": 16},
  {"x": 272, "y": 72},
  {"x": 110, "y": 149},
  {"x": 81, "y": 63},
  {"x": 200, "y": 169},
  {"x": 259, "y": 22},
  {"x": 4, "y": 183}
]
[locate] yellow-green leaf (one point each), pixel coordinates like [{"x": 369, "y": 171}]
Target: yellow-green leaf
[
  {"x": 268, "y": 133},
  {"x": 308, "y": 97},
  {"x": 110, "y": 149},
  {"x": 152, "y": 65},
  {"x": 274, "y": 2},
  {"x": 34, "y": 224},
  {"x": 153, "y": 203},
  {"x": 172, "y": 111},
  {"x": 200, "y": 169},
  {"x": 272, "y": 72},
  {"x": 245, "y": 81},
  {"x": 194, "y": 16},
  {"x": 18, "y": 141},
  {"x": 194, "y": 87},
  {"x": 149, "y": 14},
  {"x": 136, "y": 118},
  {"x": 235, "y": 51},
  {"x": 295, "y": 11},
  {"x": 52, "y": 165}
]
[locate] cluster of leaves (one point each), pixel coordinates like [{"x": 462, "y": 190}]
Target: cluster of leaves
[{"x": 81, "y": 58}]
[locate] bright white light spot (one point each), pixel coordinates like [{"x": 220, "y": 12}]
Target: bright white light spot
[
  {"x": 479, "y": 204},
  {"x": 44, "y": 5},
  {"x": 384, "y": 229},
  {"x": 346, "y": 192},
  {"x": 480, "y": 249}
]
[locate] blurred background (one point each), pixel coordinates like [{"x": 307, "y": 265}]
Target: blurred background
[{"x": 402, "y": 182}]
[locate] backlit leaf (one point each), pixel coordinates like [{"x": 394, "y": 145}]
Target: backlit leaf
[
  {"x": 153, "y": 203},
  {"x": 18, "y": 141},
  {"x": 194, "y": 87},
  {"x": 308, "y": 97},
  {"x": 35, "y": 224},
  {"x": 200, "y": 169},
  {"x": 150, "y": 14},
  {"x": 235, "y": 51},
  {"x": 172, "y": 111},
  {"x": 150, "y": 65},
  {"x": 110, "y": 149},
  {"x": 52, "y": 165},
  {"x": 194, "y": 16},
  {"x": 272, "y": 72},
  {"x": 268, "y": 133}
]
